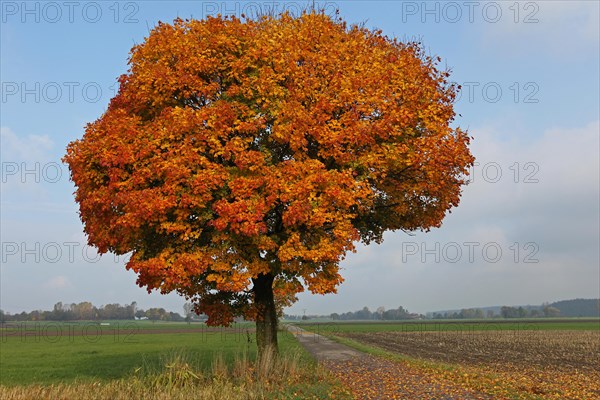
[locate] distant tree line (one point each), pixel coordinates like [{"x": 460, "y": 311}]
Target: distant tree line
[
  {"x": 505, "y": 312},
  {"x": 465, "y": 313},
  {"x": 380, "y": 314},
  {"x": 566, "y": 308},
  {"x": 86, "y": 311},
  {"x": 578, "y": 307},
  {"x": 159, "y": 314},
  {"x": 364, "y": 314}
]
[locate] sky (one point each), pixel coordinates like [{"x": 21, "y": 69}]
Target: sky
[{"x": 526, "y": 230}]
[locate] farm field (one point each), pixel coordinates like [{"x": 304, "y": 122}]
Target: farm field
[
  {"x": 120, "y": 330},
  {"x": 560, "y": 350},
  {"x": 61, "y": 352},
  {"x": 418, "y": 359},
  {"x": 516, "y": 360},
  {"x": 452, "y": 325},
  {"x": 142, "y": 359}
]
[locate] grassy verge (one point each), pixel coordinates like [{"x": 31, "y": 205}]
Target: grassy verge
[{"x": 282, "y": 378}]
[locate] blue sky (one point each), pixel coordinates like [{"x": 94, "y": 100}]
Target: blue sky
[{"x": 530, "y": 73}]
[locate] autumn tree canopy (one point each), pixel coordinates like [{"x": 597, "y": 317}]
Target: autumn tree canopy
[{"x": 242, "y": 159}]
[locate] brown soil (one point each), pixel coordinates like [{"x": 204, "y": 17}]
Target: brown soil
[
  {"x": 369, "y": 377},
  {"x": 562, "y": 350}
]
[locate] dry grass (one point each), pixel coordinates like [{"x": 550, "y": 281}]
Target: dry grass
[
  {"x": 122, "y": 390},
  {"x": 271, "y": 378}
]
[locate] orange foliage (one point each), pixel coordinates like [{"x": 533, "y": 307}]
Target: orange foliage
[{"x": 236, "y": 148}]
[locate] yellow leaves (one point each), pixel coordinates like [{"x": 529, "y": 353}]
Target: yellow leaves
[
  {"x": 244, "y": 216},
  {"x": 505, "y": 364},
  {"x": 289, "y": 250},
  {"x": 265, "y": 146},
  {"x": 325, "y": 280}
]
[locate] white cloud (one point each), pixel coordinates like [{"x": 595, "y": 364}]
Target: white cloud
[
  {"x": 32, "y": 148},
  {"x": 554, "y": 175},
  {"x": 558, "y": 215},
  {"x": 31, "y": 172},
  {"x": 57, "y": 283},
  {"x": 558, "y": 28}
]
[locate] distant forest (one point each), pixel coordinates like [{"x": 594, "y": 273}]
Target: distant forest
[
  {"x": 364, "y": 314},
  {"x": 88, "y": 312},
  {"x": 578, "y": 307},
  {"x": 565, "y": 308}
]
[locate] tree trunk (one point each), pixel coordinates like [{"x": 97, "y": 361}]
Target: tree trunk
[{"x": 266, "y": 319}]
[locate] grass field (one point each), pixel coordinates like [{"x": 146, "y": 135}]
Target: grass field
[
  {"x": 146, "y": 360},
  {"x": 536, "y": 359},
  {"x": 36, "y": 353}
]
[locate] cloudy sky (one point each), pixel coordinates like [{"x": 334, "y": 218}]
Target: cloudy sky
[{"x": 527, "y": 228}]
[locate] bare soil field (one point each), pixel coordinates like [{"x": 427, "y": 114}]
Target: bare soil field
[
  {"x": 557, "y": 349},
  {"x": 511, "y": 364}
]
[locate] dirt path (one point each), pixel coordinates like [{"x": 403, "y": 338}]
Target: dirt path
[
  {"x": 322, "y": 348},
  {"x": 370, "y": 377}
]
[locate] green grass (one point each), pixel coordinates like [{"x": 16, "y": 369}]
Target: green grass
[
  {"x": 132, "y": 363},
  {"x": 108, "y": 326},
  {"x": 102, "y": 355},
  {"x": 451, "y": 325},
  {"x": 171, "y": 366}
]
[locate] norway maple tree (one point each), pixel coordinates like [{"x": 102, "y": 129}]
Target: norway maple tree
[{"x": 242, "y": 159}]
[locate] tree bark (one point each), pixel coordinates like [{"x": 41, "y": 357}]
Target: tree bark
[{"x": 266, "y": 318}]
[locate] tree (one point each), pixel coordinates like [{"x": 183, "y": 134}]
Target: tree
[
  {"x": 364, "y": 314},
  {"x": 508, "y": 312},
  {"x": 130, "y": 310},
  {"x": 188, "y": 312},
  {"x": 470, "y": 313},
  {"x": 242, "y": 159},
  {"x": 154, "y": 314},
  {"x": 397, "y": 314},
  {"x": 173, "y": 316},
  {"x": 84, "y": 311},
  {"x": 58, "y": 313},
  {"x": 550, "y": 311},
  {"x": 521, "y": 312}
]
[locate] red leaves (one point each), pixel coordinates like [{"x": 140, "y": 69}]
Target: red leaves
[
  {"x": 372, "y": 377},
  {"x": 518, "y": 364},
  {"x": 265, "y": 146},
  {"x": 241, "y": 217}
]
